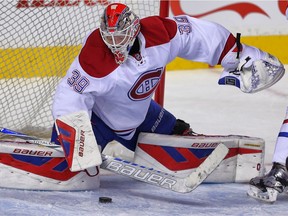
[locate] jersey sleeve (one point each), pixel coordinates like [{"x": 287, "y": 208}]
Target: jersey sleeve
[
  {"x": 73, "y": 92},
  {"x": 199, "y": 40}
]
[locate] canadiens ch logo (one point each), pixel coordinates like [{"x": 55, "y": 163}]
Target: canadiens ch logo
[{"x": 145, "y": 85}]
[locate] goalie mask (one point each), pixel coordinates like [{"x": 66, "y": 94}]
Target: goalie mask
[{"x": 119, "y": 29}]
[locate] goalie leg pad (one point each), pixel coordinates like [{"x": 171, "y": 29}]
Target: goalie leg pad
[
  {"x": 182, "y": 154},
  {"x": 40, "y": 173}
]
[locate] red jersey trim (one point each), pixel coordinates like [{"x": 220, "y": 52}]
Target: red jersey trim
[
  {"x": 95, "y": 57},
  {"x": 157, "y": 30},
  {"x": 228, "y": 46}
]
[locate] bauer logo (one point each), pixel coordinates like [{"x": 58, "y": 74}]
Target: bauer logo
[
  {"x": 230, "y": 81},
  {"x": 32, "y": 152},
  {"x": 145, "y": 85},
  {"x": 205, "y": 145},
  {"x": 82, "y": 141},
  {"x": 145, "y": 175}
]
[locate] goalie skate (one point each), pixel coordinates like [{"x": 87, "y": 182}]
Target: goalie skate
[
  {"x": 267, "y": 187},
  {"x": 269, "y": 196}
]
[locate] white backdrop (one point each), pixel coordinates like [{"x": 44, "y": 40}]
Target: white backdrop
[{"x": 248, "y": 17}]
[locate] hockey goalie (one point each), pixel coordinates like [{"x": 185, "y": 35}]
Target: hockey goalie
[{"x": 106, "y": 95}]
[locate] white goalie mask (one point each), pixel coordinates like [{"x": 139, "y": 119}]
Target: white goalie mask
[{"x": 119, "y": 29}]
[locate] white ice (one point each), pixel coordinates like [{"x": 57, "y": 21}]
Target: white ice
[{"x": 195, "y": 97}]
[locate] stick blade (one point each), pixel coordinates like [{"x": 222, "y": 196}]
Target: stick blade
[{"x": 206, "y": 168}]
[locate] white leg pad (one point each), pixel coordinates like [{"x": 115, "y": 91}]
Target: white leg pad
[
  {"x": 181, "y": 154},
  {"x": 12, "y": 177}
]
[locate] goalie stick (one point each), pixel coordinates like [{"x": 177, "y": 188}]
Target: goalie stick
[
  {"x": 31, "y": 139},
  {"x": 126, "y": 168}
]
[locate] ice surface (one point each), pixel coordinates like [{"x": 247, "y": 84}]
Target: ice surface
[
  {"x": 133, "y": 198},
  {"x": 195, "y": 97}
]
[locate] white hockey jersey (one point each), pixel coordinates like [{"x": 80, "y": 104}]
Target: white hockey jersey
[{"x": 120, "y": 94}]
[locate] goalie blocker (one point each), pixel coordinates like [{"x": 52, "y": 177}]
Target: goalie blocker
[
  {"x": 77, "y": 138},
  {"x": 179, "y": 155}
]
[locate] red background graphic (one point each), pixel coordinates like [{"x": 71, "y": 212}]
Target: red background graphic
[{"x": 242, "y": 8}]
